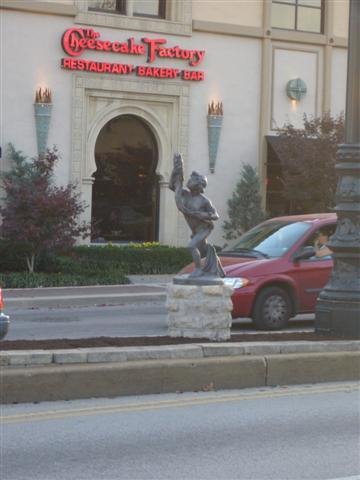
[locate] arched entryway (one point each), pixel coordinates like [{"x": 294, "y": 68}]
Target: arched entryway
[{"x": 125, "y": 190}]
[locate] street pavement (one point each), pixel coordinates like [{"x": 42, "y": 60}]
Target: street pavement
[
  {"x": 141, "y": 318},
  {"x": 128, "y": 320},
  {"x": 307, "y": 432}
]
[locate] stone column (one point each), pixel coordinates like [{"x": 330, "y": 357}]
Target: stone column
[
  {"x": 86, "y": 196},
  {"x": 199, "y": 311},
  {"x": 338, "y": 306}
]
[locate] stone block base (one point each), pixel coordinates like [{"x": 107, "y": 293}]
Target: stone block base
[{"x": 199, "y": 311}]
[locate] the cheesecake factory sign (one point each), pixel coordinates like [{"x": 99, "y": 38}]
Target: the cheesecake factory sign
[{"x": 75, "y": 41}]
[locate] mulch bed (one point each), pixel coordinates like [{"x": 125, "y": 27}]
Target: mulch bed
[{"x": 63, "y": 343}]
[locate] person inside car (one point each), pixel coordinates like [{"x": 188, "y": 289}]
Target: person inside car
[{"x": 321, "y": 239}]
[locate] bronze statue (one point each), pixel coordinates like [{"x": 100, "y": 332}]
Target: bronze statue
[{"x": 199, "y": 214}]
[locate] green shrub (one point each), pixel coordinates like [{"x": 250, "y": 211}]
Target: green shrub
[
  {"x": 12, "y": 259},
  {"x": 34, "y": 280},
  {"x": 244, "y": 207},
  {"x": 135, "y": 258},
  {"x": 91, "y": 265}
]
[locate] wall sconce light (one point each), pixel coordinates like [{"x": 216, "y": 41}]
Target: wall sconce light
[
  {"x": 214, "y": 123},
  {"x": 296, "y": 89},
  {"x": 42, "y": 108}
]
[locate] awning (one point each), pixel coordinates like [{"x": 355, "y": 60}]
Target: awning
[{"x": 276, "y": 142}]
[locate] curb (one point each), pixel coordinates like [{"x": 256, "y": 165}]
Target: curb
[
  {"x": 29, "y": 376},
  {"x": 22, "y": 358},
  {"x": 68, "y": 382}
]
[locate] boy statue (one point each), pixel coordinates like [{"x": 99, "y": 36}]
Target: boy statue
[{"x": 199, "y": 214}]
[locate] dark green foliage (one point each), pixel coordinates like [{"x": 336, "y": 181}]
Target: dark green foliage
[
  {"x": 33, "y": 280},
  {"x": 92, "y": 265},
  {"x": 308, "y": 157},
  {"x": 43, "y": 216},
  {"x": 12, "y": 257},
  {"x": 136, "y": 259},
  {"x": 244, "y": 207}
]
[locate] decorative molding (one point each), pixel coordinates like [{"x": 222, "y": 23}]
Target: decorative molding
[
  {"x": 227, "y": 29},
  {"x": 340, "y": 42},
  {"x": 326, "y": 97},
  {"x": 163, "y": 105},
  {"x": 264, "y": 114},
  {"x": 180, "y": 22},
  {"x": 267, "y": 32},
  {"x": 317, "y": 50},
  {"x": 298, "y": 37}
]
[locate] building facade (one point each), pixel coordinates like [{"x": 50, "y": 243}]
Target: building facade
[{"x": 131, "y": 82}]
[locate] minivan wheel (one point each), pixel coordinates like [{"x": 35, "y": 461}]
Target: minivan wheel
[{"x": 272, "y": 309}]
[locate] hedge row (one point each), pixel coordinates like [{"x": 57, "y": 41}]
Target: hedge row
[
  {"x": 89, "y": 265},
  {"x": 147, "y": 258},
  {"x": 34, "y": 280}
]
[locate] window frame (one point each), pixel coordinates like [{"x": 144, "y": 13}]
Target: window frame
[
  {"x": 309, "y": 242},
  {"x": 161, "y": 11},
  {"x": 122, "y": 9},
  {"x": 119, "y": 10},
  {"x": 295, "y": 5},
  {"x": 178, "y": 19}
]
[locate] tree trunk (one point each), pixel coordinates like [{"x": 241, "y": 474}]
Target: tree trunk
[{"x": 30, "y": 261}]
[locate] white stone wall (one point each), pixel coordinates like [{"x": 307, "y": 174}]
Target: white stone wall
[
  {"x": 31, "y": 51},
  {"x": 30, "y": 58},
  {"x": 233, "y": 78},
  {"x": 289, "y": 62},
  {"x": 243, "y": 12},
  {"x": 196, "y": 311}
]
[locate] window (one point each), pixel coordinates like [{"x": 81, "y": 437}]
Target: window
[
  {"x": 111, "y": 6},
  {"x": 155, "y": 16},
  {"x": 149, "y": 8},
  {"x": 136, "y": 8},
  {"x": 301, "y": 15},
  {"x": 318, "y": 241},
  {"x": 270, "y": 239}
]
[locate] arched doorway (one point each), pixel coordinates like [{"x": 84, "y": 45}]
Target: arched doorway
[{"x": 125, "y": 190}]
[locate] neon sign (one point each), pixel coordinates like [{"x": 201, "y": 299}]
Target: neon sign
[{"x": 76, "y": 41}]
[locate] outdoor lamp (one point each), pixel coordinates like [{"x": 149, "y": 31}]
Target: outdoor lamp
[
  {"x": 214, "y": 123},
  {"x": 42, "y": 108},
  {"x": 296, "y": 89}
]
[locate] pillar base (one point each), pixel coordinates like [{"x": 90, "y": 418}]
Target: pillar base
[
  {"x": 338, "y": 318},
  {"x": 199, "y": 311}
]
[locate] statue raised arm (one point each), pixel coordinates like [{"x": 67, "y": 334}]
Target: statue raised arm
[{"x": 199, "y": 214}]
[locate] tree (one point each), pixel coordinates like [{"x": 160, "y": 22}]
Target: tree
[
  {"x": 244, "y": 207},
  {"x": 36, "y": 213},
  {"x": 308, "y": 156}
]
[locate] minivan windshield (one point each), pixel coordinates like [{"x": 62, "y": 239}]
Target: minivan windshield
[{"x": 269, "y": 239}]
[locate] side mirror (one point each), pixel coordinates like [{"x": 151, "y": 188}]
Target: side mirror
[{"x": 304, "y": 254}]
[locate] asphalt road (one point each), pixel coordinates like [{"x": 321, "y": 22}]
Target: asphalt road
[
  {"x": 138, "y": 319},
  {"x": 284, "y": 433}
]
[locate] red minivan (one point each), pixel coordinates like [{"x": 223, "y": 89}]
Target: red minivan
[{"x": 274, "y": 270}]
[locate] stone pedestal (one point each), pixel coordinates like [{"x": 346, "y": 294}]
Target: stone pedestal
[{"x": 199, "y": 311}]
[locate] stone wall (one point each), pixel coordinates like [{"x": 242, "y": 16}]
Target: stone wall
[{"x": 199, "y": 311}]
